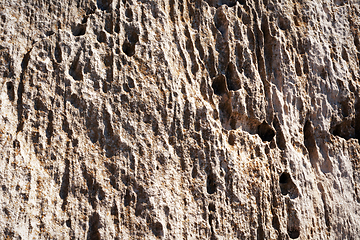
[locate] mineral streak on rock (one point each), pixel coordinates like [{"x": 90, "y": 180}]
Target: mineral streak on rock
[{"x": 173, "y": 119}]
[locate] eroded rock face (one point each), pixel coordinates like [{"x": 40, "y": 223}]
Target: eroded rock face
[{"x": 179, "y": 119}]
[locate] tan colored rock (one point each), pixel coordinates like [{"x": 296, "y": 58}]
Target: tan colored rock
[{"x": 179, "y": 119}]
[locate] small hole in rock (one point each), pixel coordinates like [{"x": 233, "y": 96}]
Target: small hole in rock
[
  {"x": 68, "y": 223},
  {"x": 101, "y": 37},
  {"x": 232, "y": 139},
  {"x": 10, "y": 91},
  {"x": 284, "y": 178},
  {"x": 294, "y": 233},
  {"x": 129, "y": 14},
  {"x": 132, "y": 36},
  {"x": 128, "y": 48},
  {"x": 287, "y": 186},
  {"x": 219, "y": 85},
  {"x": 157, "y": 229},
  {"x": 232, "y": 77},
  {"x": 212, "y": 207},
  {"x": 79, "y": 30},
  {"x": 266, "y": 132},
  {"x": 104, "y": 4},
  {"x": 211, "y": 184}
]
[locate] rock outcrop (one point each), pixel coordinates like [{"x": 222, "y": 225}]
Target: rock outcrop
[{"x": 172, "y": 119}]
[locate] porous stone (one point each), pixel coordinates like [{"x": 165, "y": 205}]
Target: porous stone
[{"x": 172, "y": 119}]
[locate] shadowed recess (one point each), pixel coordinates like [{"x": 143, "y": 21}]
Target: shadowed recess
[{"x": 266, "y": 132}]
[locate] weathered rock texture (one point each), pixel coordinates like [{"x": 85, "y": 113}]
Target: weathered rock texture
[{"x": 176, "y": 119}]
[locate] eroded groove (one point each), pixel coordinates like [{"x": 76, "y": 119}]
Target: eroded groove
[
  {"x": 310, "y": 143},
  {"x": 20, "y": 109},
  {"x": 50, "y": 127},
  {"x": 10, "y": 91},
  {"x": 64, "y": 189},
  {"x": 327, "y": 210},
  {"x": 93, "y": 232}
]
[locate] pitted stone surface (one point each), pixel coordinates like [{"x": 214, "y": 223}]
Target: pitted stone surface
[{"x": 175, "y": 119}]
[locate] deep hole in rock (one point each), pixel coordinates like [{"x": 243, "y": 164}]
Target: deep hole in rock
[
  {"x": 50, "y": 127},
  {"x": 287, "y": 185},
  {"x": 294, "y": 233},
  {"x": 129, "y": 14},
  {"x": 39, "y": 105},
  {"x": 132, "y": 36},
  {"x": 219, "y": 85},
  {"x": 75, "y": 69},
  {"x": 212, "y": 207},
  {"x": 280, "y": 138},
  {"x": 109, "y": 24},
  {"x": 94, "y": 222},
  {"x": 101, "y": 37},
  {"x": 284, "y": 23},
  {"x": 276, "y": 222},
  {"x": 232, "y": 139},
  {"x": 58, "y": 52},
  {"x": 229, "y": 3},
  {"x": 298, "y": 68},
  {"x": 266, "y": 132},
  {"x": 232, "y": 77},
  {"x": 221, "y": 22},
  {"x": 10, "y": 91},
  {"x": 68, "y": 223},
  {"x": 157, "y": 229},
  {"x": 211, "y": 184},
  {"x": 104, "y": 4},
  {"x": 128, "y": 48},
  {"x": 79, "y": 29},
  {"x": 49, "y": 33},
  {"x": 284, "y": 178},
  {"x": 344, "y": 129}
]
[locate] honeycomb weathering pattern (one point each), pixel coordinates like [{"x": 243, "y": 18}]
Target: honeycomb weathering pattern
[{"x": 173, "y": 119}]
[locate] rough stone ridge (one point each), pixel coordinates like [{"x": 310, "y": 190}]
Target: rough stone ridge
[{"x": 174, "y": 119}]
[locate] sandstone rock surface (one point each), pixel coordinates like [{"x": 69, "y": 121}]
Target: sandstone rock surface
[{"x": 174, "y": 119}]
